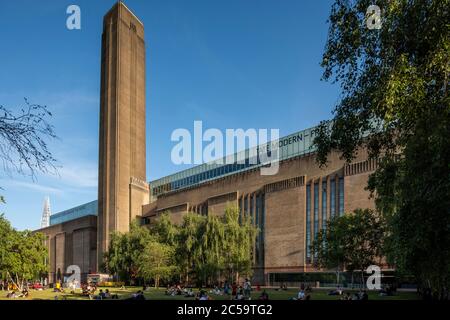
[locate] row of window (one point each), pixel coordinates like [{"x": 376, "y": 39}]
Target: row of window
[
  {"x": 248, "y": 207},
  {"x": 200, "y": 177},
  {"x": 332, "y": 209},
  {"x": 213, "y": 173},
  {"x": 90, "y": 208}
]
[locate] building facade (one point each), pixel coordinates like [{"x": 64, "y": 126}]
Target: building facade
[{"x": 289, "y": 208}]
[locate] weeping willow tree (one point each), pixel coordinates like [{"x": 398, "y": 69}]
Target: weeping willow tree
[
  {"x": 239, "y": 241},
  {"x": 125, "y": 252},
  {"x": 206, "y": 248},
  {"x": 165, "y": 230},
  {"x": 189, "y": 246},
  {"x": 216, "y": 247},
  {"x": 212, "y": 245}
]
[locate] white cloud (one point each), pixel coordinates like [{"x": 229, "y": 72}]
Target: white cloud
[
  {"x": 79, "y": 176},
  {"x": 32, "y": 186}
]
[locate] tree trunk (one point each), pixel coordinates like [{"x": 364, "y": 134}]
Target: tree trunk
[{"x": 15, "y": 283}]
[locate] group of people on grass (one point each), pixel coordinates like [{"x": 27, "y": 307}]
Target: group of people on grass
[
  {"x": 235, "y": 292},
  {"x": 14, "y": 294},
  {"x": 13, "y": 290},
  {"x": 104, "y": 295},
  {"x": 303, "y": 294},
  {"x": 179, "y": 290},
  {"x": 359, "y": 295}
]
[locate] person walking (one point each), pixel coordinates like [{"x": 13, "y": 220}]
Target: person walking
[{"x": 247, "y": 289}]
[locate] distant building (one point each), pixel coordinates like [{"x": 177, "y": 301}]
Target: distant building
[
  {"x": 46, "y": 212},
  {"x": 289, "y": 208}
]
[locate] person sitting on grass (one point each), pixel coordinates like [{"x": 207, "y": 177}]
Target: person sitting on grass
[
  {"x": 202, "y": 296},
  {"x": 171, "y": 291},
  {"x": 364, "y": 296},
  {"x": 24, "y": 293},
  {"x": 189, "y": 293},
  {"x": 345, "y": 296},
  {"x": 355, "y": 296},
  {"x": 301, "y": 295},
  {"x": 138, "y": 296},
  {"x": 109, "y": 295},
  {"x": 102, "y": 295},
  {"x": 240, "y": 294},
  {"x": 86, "y": 290},
  {"x": 336, "y": 292},
  {"x": 58, "y": 287},
  {"x": 387, "y": 291},
  {"x": 216, "y": 290},
  {"x": 11, "y": 295},
  {"x": 264, "y": 296}
]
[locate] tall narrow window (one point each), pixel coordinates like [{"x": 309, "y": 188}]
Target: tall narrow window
[
  {"x": 324, "y": 204},
  {"x": 308, "y": 220},
  {"x": 332, "y": 198},
  {"x": 252, "y": 213},
  {"x": 262, "y": 228},
  {"x": 257, "y": 213},
  {"x": 240, "y": 208},
  {"x": 316, "y": 209},
  {"x": 341, "y": 196},
  {"x": 245, "y": 206}
]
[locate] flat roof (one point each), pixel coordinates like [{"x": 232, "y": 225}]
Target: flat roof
[{"x": 86, "y": 209}]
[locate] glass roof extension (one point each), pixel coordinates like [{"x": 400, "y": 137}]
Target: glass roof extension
[{"x": 293, "y": 145}]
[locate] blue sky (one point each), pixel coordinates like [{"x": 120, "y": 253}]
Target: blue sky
[{"x": 230, "y": 63}]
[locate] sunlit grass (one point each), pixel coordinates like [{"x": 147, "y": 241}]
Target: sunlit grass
[{"x": 159, "y": 294}]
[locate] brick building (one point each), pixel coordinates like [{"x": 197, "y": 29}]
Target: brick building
[{"x": 289, "y": 207}]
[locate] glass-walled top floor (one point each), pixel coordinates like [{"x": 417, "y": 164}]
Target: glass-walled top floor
[{"x": 299, "y": 143}]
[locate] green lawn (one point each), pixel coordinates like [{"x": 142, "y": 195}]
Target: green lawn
[{"x": 158, "y": 294}]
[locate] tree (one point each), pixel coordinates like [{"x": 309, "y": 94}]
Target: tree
[
  {"x": 395, "y": 103},
  {"x": 215, "y": 246},
  {"x": 203, "y": 246},
  {"x": 23, "y": 254},
  {"x": 189, "y": 251},
  {"x": 212, "y": 254},
  {"x": 123, "y": 256},
  {"x": 157, "y": 262},
  {"x": 239, "y": 242},
  {"x": 166, "y": 231},
  {"x": 23, "y": 134},
  {"x": 350, "y": 242}
]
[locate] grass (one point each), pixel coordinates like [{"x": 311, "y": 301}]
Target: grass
[{"x": 158, "y": 294}]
